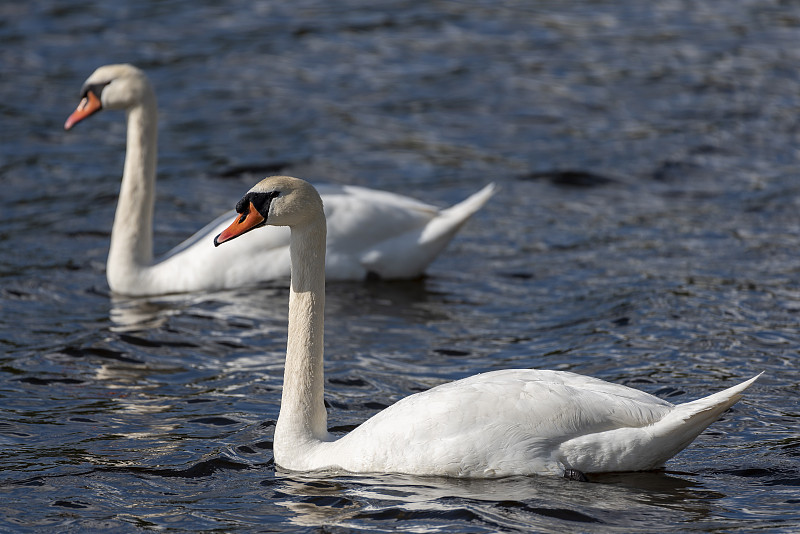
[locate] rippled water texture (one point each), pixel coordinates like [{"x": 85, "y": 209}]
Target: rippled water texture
[{"x": 646, "y": 232}]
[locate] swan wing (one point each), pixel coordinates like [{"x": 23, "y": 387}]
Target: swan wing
[
  {"x": 369, "y": 231},
  {"x": 521, "y": 422},
  {"x": 493, "y": 424}
]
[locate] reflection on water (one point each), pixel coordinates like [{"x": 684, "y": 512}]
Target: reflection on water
[
  {"x": 404, "y": 299},
  {"x": 513, "y": 503}
]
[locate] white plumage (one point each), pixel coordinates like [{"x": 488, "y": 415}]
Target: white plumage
[
  {"x": 509, "y": 422},
  {"x": 371, "y": 232}
]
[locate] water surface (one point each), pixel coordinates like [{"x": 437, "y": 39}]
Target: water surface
[{"x": 646, "y": 232}]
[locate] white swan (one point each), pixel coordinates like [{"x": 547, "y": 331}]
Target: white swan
[
  {"x": 371, "y": 232},
  {"x": 510, "y": 422}
]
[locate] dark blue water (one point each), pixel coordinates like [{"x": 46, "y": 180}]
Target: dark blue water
[{"x": 646, "y": 232}]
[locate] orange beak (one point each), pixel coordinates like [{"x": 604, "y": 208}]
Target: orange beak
[
  {"x": 249, "y": 220},
  {"x": 89, "y": 105}
]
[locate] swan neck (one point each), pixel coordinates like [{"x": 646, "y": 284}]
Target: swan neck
[
  {"x": 303, "y": 417},
  {"x": 132, "y": 233}
]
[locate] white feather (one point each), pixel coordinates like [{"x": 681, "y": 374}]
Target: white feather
[
  {"x": 501, "y": 423},
  {"x": 370, "y": 232}
]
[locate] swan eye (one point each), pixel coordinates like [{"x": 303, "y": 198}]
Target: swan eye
[
  {"x": 261, "y": 201},
  {"x": 95, "y": 88}
]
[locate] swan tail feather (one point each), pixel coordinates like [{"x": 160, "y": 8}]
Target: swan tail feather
[
  {"x": 467, "y": 207},
  {"x": 681, "y": 426},
  {"x": 426, "y": 243},
  {"x": 650, "y": 446},
  {"x": 451, "y": 219}
]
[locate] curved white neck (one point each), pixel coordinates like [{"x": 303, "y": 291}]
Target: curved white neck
[
  {"x": 131, "y": 247},
  {"x": 303, "y": 418}
]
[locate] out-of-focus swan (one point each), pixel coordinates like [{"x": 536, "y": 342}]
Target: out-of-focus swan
[
  {"x": 370, "y": 232},
  {"x": 510, "y": 422}
]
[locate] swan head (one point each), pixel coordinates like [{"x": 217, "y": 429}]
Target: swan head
[
  {"x": 276, "y": 201},
  {"x": 119, "y": 86}
]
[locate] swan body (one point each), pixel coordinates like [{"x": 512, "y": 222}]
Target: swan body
[
  {"x": 500, "y": 423},
  {"x": 371, "y": 232}
]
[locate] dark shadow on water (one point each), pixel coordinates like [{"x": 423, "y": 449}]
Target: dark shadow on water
[{"x": 571, "y": 178}]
